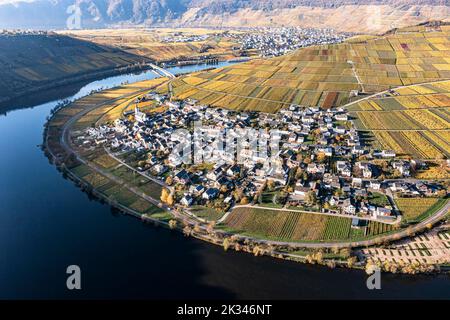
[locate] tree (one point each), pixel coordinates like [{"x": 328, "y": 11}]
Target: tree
[
  {"x": 238, "y": 194},
  {"x": 257, "y": 251},
  {"x": 244, "y": 201},
  {"x": 172, "y": 224},
  {"x": 321, "y": 157},
  {"x": 270, "y": 184},
  {"x": 164, "y": 195},
  {"x": 187, "y": 231},
  {"x": 311, "y": 197},
  {"x": 299, "y": 173},
  {"x": 345, "y": 252},
  {"x": 370, "y": 267},
  {"x": 210, "y": 227},
  {"x": 319, "y": 257},
  {"x": 351, "y": 261},
  {"x": 226, "y": 244},
  {"x": 442, "y": 193},
  {"x": 170, "y": 200},
  {"x": 169, "y": 180}
]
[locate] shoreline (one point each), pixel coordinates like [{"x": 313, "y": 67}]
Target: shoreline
[{"x": 73, "y": 80}]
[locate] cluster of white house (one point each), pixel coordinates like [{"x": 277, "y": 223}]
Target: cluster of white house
[
  {"x": 317, "y": 153},
  {"x": 278, "y": 41}
]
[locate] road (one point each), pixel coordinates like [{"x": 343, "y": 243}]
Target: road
[
  {"x": 162, "y": 71},
  {"x": 147, "y": 176},
  {"x": 379, "y": 94},
  {"x": 355, "y": 73}
]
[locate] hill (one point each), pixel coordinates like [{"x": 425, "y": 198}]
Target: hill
[
  {"x": 373, "y": 16},
  {"x": 328, "y": 75},
  {"x": 32, "y": 62},
  {"x": 161, "y": 44}
]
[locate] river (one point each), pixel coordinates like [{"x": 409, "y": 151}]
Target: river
[{"x": 47, "y": 223}]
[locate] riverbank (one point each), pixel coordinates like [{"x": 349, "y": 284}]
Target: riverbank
[{"x": 78, "y": 79}]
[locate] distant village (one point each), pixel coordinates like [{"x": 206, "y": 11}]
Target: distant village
[
  {"x": 21, "y": 32},
  {"x": 268, "y": 41},
  {"x": 271, "y": 42},
  {"x": 320, "y": 164}
]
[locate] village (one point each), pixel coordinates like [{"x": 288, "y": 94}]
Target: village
[
  {"x": 272, "y": 42},
  {"x": 267, "y": 41},
  {"x": 310, "y": 159}
]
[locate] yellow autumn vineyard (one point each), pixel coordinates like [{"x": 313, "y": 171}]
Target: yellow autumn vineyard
[
  {"x": 329, "y": 75},
  {"x": 414, "y": 121}
]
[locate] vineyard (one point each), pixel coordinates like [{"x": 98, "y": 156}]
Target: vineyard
[
  {"x": 296, "y": 226},
  {"x": 413, "y": 209},
  {"x": 412, "y": 121},
  {"x": 324, "y": 75},
  {"x": 149, "y": 42},
  {"x": 375, "y": 228}
]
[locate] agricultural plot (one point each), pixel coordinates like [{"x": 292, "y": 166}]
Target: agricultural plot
[
  {"x": 149, "y": 42},
  {"x": 375, "y": 228},
  {"x": 416, "y": 209},
  {"x": 294, "y": 226},
  {"x": 209, "y": 214},
  {"x": 415, "y": 121},
  {"x": 325, "y": 75},
  {"x": 337, "y": 228},
  {"x": 106, "y": 161}
]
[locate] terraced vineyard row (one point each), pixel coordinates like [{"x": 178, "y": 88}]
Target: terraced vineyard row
[
  {"x": 324, "y": 76},
  {"x": 412, "y": 121},
  {"x": 293, "y": 226},
  {"x": 375, "y": 228}
]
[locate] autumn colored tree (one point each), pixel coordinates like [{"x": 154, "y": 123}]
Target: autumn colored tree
[
  {"x": 164, "y": 195},
  {"x": 169, "y": 180},
  {"x": 244, "y": 201},
  {"x": 226, "y": 244},
  {"x": 321, "y": 157},
  {"x": 172, "y": 224},
  {"x": 170, "y": 200},
  {"x": 187, "y": 231}
]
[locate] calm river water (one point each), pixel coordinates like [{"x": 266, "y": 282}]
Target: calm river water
[{"x": 46, "y": 224}]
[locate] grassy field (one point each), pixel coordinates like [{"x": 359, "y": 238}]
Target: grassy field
[
  {"x": 296, "y": 226},
  {"x": 323, "y": 75},
  {"x": 206, "y": 213}
]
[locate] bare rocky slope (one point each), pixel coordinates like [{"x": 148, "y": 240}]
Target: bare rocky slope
[{"x": 373, "y": 16}]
